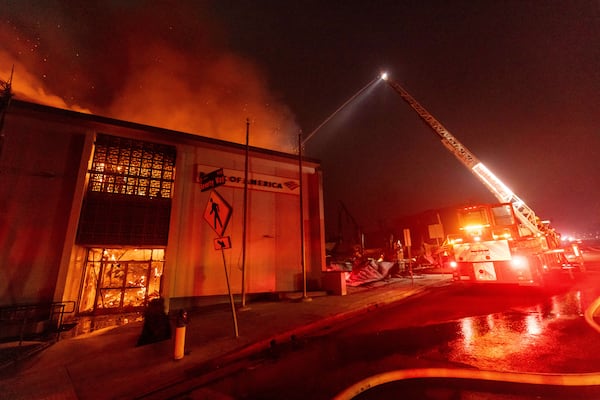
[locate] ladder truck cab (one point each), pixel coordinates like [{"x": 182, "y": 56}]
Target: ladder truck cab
[
  {"x": 493, "y": 247},
  {"x": 504, "y": 242}
]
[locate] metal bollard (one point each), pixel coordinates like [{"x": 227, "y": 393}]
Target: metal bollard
[{"x": 180, "y": 327}]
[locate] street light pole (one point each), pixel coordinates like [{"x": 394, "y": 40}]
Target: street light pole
[
  {"x": 245, "y": 217},
  {"x": 302, "y": 246}
]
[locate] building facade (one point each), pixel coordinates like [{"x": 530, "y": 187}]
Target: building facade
[{"x": 109, "y": 214}]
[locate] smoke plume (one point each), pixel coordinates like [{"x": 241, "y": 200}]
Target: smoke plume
[{"x": 162, "y": 63}]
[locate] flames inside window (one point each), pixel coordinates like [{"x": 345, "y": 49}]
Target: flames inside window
[
  {"x": 132, "y": 167},
  {"x": 120, "y": 279}
]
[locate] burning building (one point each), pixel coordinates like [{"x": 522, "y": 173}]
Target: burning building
[{"x": 107, "y": 214}]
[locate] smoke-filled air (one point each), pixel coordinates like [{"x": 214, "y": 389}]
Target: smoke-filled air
[{"x": 164, "y": 64}]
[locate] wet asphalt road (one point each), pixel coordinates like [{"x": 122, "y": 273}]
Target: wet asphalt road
[
  {"x": 496, "y": 328},
  {"x": 486, "y": 327}
]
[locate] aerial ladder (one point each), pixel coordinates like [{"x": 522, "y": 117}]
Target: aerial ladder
[{"x": 523, "y": 212}]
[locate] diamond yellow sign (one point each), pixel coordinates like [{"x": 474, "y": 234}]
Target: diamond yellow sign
[{"x": 217, "y": 213}]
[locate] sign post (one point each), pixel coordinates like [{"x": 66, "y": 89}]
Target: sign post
[
  {"x": 217, "y": 214},
  {"x": 235, "y": 323}
]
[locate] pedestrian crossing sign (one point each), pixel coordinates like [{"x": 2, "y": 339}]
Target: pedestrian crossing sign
[{"x": 217, "y": 213}]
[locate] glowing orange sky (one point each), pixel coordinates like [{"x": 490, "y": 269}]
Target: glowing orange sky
[
  {"x": 151, "y": 66},
  {"x": 515, "y": 81}
]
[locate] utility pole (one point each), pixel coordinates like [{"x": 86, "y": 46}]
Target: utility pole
[
  {"x": 5, "y": 96},
  {"x": 302, "y": 246},
  {"x": 245, "y": 215}
]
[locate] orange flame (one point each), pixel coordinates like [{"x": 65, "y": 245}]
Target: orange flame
[{"x": 135, "y": 71}]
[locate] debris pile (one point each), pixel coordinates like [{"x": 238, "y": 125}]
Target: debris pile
[{"x": 370, "y": 271}]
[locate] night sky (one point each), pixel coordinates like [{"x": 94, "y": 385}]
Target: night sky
[{"x": 517, "y": 82}]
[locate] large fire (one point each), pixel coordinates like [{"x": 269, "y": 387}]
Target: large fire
[{"x": 159, "y": 65}]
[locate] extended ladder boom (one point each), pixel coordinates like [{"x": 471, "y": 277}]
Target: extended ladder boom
[{"x": 495, "y": 185}]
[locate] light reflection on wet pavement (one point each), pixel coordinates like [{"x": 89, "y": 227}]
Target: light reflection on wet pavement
[{"x": 551, "y": 337}]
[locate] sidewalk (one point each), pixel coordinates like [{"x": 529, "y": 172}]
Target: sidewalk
[{"x": 106, "y": 364}]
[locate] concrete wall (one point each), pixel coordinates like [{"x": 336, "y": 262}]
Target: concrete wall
[
  {"x": 272, "y": 236},
  {"x": 39, "y": 168},
  {"x": 43, "y": 169}
]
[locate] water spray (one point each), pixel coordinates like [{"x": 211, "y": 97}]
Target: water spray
[
  {"x": 368, "y": 85},
  {"x": 301, "y": 143}
]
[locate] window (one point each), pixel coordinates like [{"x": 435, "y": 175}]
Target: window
[
  {"x": 503, "y": 215},
  {"x": 128, "y": 201},
  {"x": 474, "y": 217},
  {"x": 132, "y": 167},
  {"x": 118, "y": 280}
]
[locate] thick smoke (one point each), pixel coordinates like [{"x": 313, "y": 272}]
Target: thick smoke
[{"x": 159, "y": 63}]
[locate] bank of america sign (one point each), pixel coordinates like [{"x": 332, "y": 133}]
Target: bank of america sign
[{"x": 235, "y": 178}]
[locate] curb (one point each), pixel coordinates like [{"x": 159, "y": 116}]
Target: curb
[
  {"x": 293, "y": 333},
  {"x": 229, "y": 362}
]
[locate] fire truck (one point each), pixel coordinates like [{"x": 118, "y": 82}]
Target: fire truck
[{"x": 504, "y": 242}]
